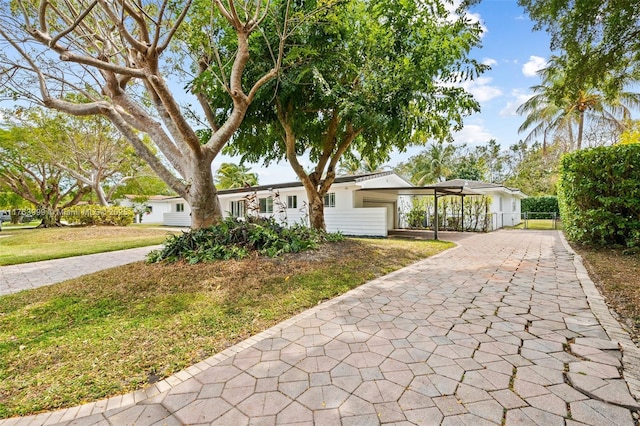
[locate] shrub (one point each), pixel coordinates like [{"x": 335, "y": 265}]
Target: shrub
[
  {"x": 236, "y": 239},
  {"x": 98, "y": 215},
  {"x": 599, "y": 195}
]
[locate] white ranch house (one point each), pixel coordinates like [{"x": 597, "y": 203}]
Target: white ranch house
[{"x": 365, "y": 205}]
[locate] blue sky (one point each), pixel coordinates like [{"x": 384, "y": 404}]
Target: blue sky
[{"x": 514, "y": 52}]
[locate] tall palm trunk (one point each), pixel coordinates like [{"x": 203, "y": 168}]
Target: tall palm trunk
[{"x": 580, "y": 130}]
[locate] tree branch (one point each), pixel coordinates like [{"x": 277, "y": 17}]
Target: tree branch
[{"x": 77, "y": 21}]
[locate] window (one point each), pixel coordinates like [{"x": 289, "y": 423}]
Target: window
[
  {"x": 330, "y": 199},
  {"x": 149, "y": 209},
  {"x": 513, "y": 205},
  {"x": 499, "y": 204},
  {"x": 180, "y": 207},
  {"x": 237, "y": 208},
  {"x": 292, "y": 201},
  {"x": 266, "y": 205}
]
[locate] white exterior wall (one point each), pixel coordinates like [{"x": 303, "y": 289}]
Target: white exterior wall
[
  {"x": 158, "y": 209},
  {"x": 503, "y": 215},
  {"x": 370, "y": 222},
  {"x": 176, "y": 218},
  {"x": 293, "y": 215}
]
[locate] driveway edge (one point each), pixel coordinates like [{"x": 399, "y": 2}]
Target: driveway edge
[{"x": 630, "y": 352}]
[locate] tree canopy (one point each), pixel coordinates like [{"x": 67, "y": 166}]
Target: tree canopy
[
  {"x": 231, "y": 175},
  {"x": 600, "y": 39},
  {"x": 124, "y": 59},
  {"x": 366, "y": 77},
  {"x": 560, "y": 106},
  {"x": 28, "y": 170}
]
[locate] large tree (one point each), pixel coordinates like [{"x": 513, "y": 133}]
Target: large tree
[
  {"x": 600, "y": 39},
  {"x": 90, "y": 150},
  {"x": 28, "y": 170},
  {"x": 372, "y": 76},
  {"x": 534, "y": 171},
  {"x": 123, "y": 60}
]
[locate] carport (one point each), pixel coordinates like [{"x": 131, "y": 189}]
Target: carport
[{"x": 430, "y": 190}]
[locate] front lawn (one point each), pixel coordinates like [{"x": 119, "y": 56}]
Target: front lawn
[
  {"x": 31, "y": 245},
  {"x": 120, "y": 329}
]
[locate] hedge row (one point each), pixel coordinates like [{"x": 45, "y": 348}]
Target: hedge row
[
  {"x": 543, "y": 204},
  {"x": 599, "y": 195},
  {"x": 98, "y": 215}
]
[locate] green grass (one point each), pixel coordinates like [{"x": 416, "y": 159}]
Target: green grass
[
  {"x": 119, "y": 330},
  {"x": 538, "y": 224},
  {"x": 31, "y": 245},
  {"x": 8, "y": 226}
]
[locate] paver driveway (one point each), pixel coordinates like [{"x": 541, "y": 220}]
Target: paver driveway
[
  {"x": 27, "y": 276},
  {"x": 500, "y": 330}
]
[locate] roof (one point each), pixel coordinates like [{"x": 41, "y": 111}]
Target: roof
[
  {"x": 474, "y": 184},
  {"x": 425, "y": 190},
  {"x": 152, "y": 197},
  {"x": 339, "y": 179}
]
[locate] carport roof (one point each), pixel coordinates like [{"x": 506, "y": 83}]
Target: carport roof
[{"x": 431, "y": 190}]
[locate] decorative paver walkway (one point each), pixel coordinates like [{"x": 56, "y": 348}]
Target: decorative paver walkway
[
  {"x": 27, "y": 276},
  {"x": 506, "y": 328}
]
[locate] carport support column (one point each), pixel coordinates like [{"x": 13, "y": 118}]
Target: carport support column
[
  {"x": 435, "y": 225},
  {"x": 462, "y": 196}
]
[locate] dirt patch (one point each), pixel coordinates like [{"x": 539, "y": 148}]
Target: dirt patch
[{"x": 617, "y": 276}]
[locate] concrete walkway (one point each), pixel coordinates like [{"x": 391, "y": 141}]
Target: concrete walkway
[
  {"x": 27, "y": 276},
  {"x": 506, "y": 328}
]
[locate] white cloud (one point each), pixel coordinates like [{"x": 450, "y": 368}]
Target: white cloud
[
  {"x": 520, "y": 18},
  {"x": 517, "y": 98},
  {"x": 473, "y": 17},
  {"x": 473, "y": 133},
  {"x": 481, "y": 89},
  {"x": 489, "y": 61},
  {"x": 535, "y": 63}
]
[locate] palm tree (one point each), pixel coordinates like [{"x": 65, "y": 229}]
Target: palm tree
[
  {"x": 556, "y": 108},
  {"x": 353, "y": 165},
  {"x": 231, "y": 175},
  {"x": 432, "y": 165}
]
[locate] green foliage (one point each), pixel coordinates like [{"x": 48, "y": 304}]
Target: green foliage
[
  {"x": 543, "y": 204},
  {"x": 365, "y": 79},
  {"x": 561, "y": 107},
  {"x": 533, "y": 171},
  {"x": 631, "y": 134},
  {"x": 599, "y": 38},
  {"x": 236, "y": 239},
  {"x": 422, "y": 215},
  {"x": 231, "y": 175},
  {"x": 98, "y": 215},
  {"x": 599, "y": 195}
]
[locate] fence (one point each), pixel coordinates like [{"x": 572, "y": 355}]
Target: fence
[{"x": 541, "y": 220}]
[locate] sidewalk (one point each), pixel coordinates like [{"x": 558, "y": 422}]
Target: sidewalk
[
  {"x": 26, "y": 276},
  {"x": 507, "y": 328}
]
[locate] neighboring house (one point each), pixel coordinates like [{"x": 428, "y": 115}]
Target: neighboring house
[
  {"x": 365, "y": 205},
  {"x": 156, "y": 207},
  {"x": 505, "y": 207}
]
